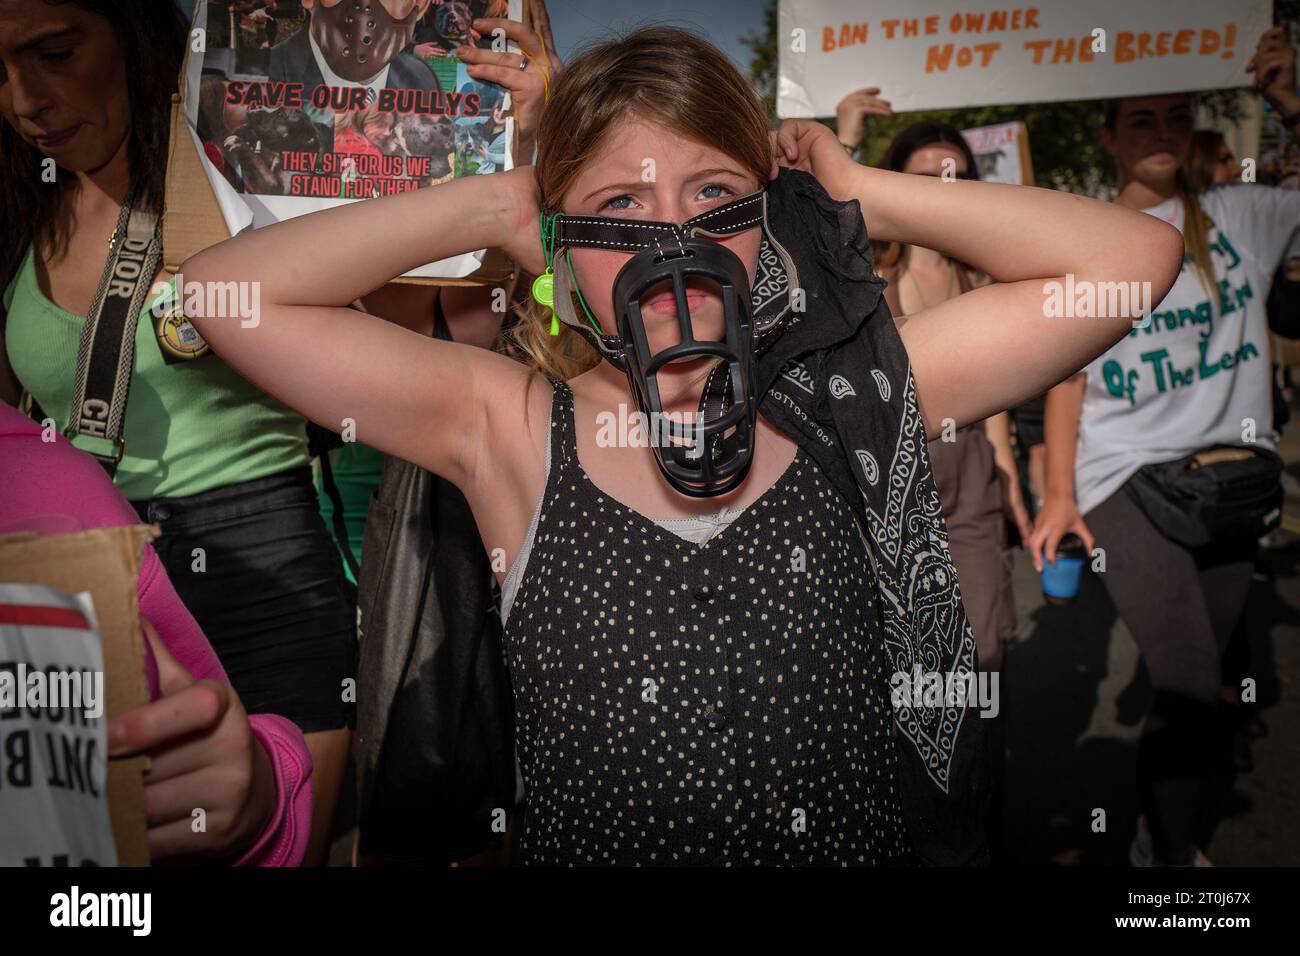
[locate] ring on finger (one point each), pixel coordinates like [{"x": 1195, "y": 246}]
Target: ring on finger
[{"x": 523, "y": 62}]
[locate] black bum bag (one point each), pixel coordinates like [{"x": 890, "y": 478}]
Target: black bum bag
[{"x": 1218, "y": 493}]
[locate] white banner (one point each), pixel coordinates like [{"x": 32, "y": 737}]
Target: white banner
[{"x": 942, "y": 54}]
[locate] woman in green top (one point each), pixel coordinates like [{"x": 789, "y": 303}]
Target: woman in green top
[{"x": 85, "y": 94}]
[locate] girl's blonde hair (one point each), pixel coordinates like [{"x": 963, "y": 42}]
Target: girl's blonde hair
[{"x": 660, "y": 75}]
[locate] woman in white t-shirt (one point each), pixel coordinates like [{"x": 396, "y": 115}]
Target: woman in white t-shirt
[{"x": 1195, "y": 374}]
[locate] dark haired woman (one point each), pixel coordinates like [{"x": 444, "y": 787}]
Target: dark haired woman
[
  {"x": 1192, "y": 378},
  {"x": 221, "y": 466}
]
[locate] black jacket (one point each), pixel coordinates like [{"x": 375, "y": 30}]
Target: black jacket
[{"x": 435, "y": 720}]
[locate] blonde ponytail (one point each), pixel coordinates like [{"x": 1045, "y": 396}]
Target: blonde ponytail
[{"x": 1195, "y": 226}]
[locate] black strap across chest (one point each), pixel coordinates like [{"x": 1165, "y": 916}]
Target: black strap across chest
[{"x": 106, "y": 354}]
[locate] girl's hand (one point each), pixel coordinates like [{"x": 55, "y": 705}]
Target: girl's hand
[
  {"x": 813, "y": 148},
  {"x": 852, "y": 112},
  {"x": 529, "y": 88},
  {"x": 203, "y": 756},
  {"x": 521, "y": 229},
  {"x": 1274, "y": 66},
  {"x": 1058, "y": 517}
]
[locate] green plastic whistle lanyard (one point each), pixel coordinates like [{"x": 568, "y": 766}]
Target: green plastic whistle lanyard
[{"x": 543, "y": 289}]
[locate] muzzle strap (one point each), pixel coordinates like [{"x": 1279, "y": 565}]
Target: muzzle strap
[{"x": 633, "y": 235}]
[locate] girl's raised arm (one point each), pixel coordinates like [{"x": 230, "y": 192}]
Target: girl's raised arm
[
  {"x": 418, "y": 398},
  {"x": 994, "y": 347}
]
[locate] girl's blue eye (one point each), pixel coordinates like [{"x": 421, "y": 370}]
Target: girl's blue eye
[
  {"x": 707, "y": 193},
  {"x": 617, "y": 203}
]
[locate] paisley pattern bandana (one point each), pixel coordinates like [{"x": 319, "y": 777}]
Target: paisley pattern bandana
[{"x": 838, "y": 381}]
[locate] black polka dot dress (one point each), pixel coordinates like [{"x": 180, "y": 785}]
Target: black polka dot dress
[{"x": 718, "y": 704}]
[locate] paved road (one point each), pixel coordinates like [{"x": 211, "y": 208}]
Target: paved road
[{"x": 1074, "y": 692}]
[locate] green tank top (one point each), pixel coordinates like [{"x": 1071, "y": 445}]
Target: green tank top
[
  {"x": 190, "y": 427},
  {"x": 357, "y": 469}
]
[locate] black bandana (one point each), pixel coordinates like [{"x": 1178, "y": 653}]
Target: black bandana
[{"x": 839, "y": 383}]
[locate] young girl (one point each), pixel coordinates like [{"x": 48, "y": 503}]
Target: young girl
[
  {"x": 1196, "y": 375},
  {"x": 721, "y": 701}
]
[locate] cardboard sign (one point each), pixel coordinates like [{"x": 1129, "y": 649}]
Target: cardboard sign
[
  {"x": 53, "y": 731},
  {"x": 104, "y": 563},
  {"x": 283, "y": 115},
  {"x": 943, "y": 54},
  {"x": 1002, "y": 153}
]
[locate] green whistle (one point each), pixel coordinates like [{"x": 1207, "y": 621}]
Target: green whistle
[{"x": 544, "y": 289}]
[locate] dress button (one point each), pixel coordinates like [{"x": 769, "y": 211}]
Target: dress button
[
  {"x": 161, "y": 513},
  {"x": 704, "y": 594},
  {"x": 714, "y": 717}
]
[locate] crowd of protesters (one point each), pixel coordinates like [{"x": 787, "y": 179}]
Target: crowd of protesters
[{"x": 610, "y": 576}]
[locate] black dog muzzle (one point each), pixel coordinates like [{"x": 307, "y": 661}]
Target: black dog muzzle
[{"x": 711, "y": 455}]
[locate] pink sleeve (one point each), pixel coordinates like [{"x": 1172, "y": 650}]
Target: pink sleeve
[
  {"x": 160, "y": 603},
  {"x": 284, "y": 841}
]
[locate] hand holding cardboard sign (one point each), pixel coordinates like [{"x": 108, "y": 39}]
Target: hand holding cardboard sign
[
  {"x": 1273, "y": 64},
  {"x": 528, "y": 75},
  {"x": 1275, "y": 77},
  {"x": 209, "y": 790},
  {"x": 851, "y": 114}
]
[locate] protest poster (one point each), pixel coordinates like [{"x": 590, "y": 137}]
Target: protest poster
[
  {"x": 945, "y": 54},
  {"x": 53, "y": 731},
  {"x": 299, "y": 105},
  {"x": 1002, "y": 153}
]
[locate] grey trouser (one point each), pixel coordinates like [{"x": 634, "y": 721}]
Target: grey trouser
[
  {"x": 1180, "y": 605},
  {"x": 971, "y": 496}
]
